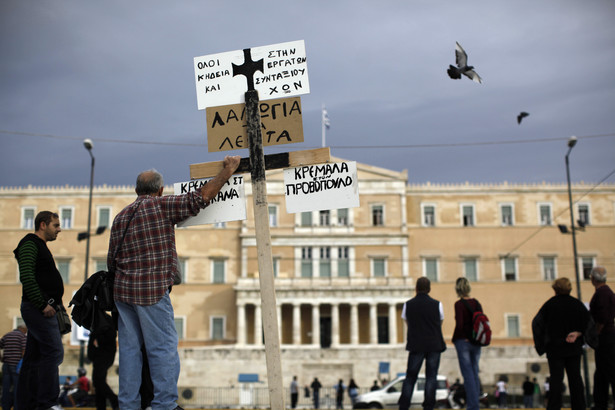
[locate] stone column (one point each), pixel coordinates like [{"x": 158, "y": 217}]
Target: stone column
[
  {"x": 335, "y": 325},
  {"x": 258, "y": 325},
  {"x": 354, "y": 324},
  {"x": 316, "y": 325},
  {"x": 373, "y": 323},
  {"x": 296, "y": 323},
  {"x": 241, "y": 324},
  {"x": 393, "y": 323}
]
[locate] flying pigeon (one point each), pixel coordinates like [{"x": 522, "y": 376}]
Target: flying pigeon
[
  {"x": 521, "y": 116},
  {"x": 462, "y": 66}
]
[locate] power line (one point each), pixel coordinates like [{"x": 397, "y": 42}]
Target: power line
[
  {"x": 443, "y": 145},
  {"x": 567, "y": 209}
]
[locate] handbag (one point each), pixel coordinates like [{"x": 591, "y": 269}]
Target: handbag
[{"x": 63, "y": 319}]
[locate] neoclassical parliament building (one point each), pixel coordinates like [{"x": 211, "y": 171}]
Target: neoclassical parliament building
[{"x": 342, "y": 275}]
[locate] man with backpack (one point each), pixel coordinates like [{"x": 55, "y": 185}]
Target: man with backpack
[{"x": 424, "y": 316}]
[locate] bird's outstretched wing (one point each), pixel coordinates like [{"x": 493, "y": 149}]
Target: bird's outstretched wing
[
  {"x": 460, "y": 55},
  {"x": 472, "y": 75},
  {"x": 521, "y": 115}
]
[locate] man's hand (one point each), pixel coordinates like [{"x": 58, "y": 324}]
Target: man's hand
[
  {"x": 213, "y": 186},
  {"x": 49, "y": 311},
  {"x": 231, "y": 162},
  {"x": 573, "y": 336}
]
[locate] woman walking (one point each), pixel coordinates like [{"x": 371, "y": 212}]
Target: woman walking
[{"x": 468, "y": 354}]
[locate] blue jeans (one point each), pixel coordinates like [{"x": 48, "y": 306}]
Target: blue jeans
[
  {"x": 39, "y": 384},
  {"x": 153, "y": 326},
  {"x": 468, "y": 356},
  {"x": 9, "y": 385},
  {"x": 415, "y": 360}
]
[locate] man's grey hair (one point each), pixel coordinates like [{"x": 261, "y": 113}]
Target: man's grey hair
[
  {"x": 598, "y": 274},
  {"x": 149, "y": 182}
]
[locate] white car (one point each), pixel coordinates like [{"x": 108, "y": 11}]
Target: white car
[{"x": 388, "y": 396}]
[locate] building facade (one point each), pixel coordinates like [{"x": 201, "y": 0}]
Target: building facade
[{"x": 342, "y": 275}]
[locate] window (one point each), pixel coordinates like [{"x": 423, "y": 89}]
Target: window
[
  {"x": 467, "y": 215},
  {"x": 104, "y": 216},
  {"x": 430, "y": 269},
  {"x": 512, "y": 326},
  {"x": 325, "y": 261},
  {"x": 179, "y": 327},
  {"x": 509, "y": 266},
  {"x": 324, "y": 218},
  {"x": 219, "y": 225},
  {"x": 100, "y": 264},
  {"x": 506, "y": 212},
  {"x": 276, "y": 266},
  {"x": 273, "y": 215},
  {"x": 377, "y": 215},
  {"x": 27, "y": 217},
  {"x": 583, "y": 210},
  {"x": 429, "y": 215},
  {"x": 378, "y": 267},
  {"x": 343, "y": 262},
  {"x": 183, "y": 268},
  {"x": 587, "y": 263},
  {"x": 66, "y": 217},
  {"x": 217, "y": 328},
  {"x": 64, "y": 268},
  {"x": 470, "y": 269},
  {"x": 548, "y": 267},
  {"x": 218, "y": 269},
  {"x": 342, "y": 217},
  {"x": 544, "y": 210},
  {"x": 306, "y": 262},
  {"x": 306, "y": 219}
]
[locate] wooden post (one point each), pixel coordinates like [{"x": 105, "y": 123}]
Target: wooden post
[{"x": 263, "y": 248}]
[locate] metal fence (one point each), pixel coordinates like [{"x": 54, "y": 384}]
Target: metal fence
[{"x": 252, "y": 396}]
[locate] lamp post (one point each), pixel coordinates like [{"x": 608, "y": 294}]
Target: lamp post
[
  {"x": 87, "y": 143},
  {"x": 572, "y": 141}
]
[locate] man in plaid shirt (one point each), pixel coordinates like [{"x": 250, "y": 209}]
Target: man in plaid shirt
[{"x": 145, "y": 268}]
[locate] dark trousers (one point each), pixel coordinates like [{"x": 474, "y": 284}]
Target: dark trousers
[
  {"x": 99, "y": 379},
  {"x": 39, "y": 385},
  {"x": 415, "y": 361},
  {"x": 294, "y": 397},
  {"x": 316, "y": 397},
  {"x": 9, "y": 385},
  {"x": 572, "y": 366},
  {"x": 604, "y": 376}
]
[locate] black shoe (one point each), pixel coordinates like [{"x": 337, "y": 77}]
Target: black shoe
[{"x": 178, "y": 408}]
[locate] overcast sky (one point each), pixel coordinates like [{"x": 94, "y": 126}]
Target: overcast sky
[{"x": 121, "y": 73}]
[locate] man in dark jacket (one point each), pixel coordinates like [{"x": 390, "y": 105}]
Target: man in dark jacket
[
  {"x": 101, "y": 351},
  {"x": 558, "y": 328},
  {"x": 424, "y": 316},
  {"x": 39, "y": 385},
  {"x": 602, "y": 309}
]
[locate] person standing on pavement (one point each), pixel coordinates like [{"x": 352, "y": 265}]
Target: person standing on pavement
[
  {"x": 294, "y": 393},
  {"x": 13, "y": 345},
  {"x": 316, "y": 386},
  {"x": 602, "y": 309},
  {"x": 42, "y": 291},
  {"x": 146, "y": 266},
  {"x": 468, "y": 353},
  {"x": 528, "y": 393},
  {"x": 423, "y": 316}
]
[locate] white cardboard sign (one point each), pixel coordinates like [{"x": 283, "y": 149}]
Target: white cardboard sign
[
  {"x": 228, "y": 205},
  {"x": 322, "y": 186},
  {"x": 284, "y": 74}
]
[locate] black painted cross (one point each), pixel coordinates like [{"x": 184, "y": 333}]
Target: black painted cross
[{"x": 248, "y": 68}]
